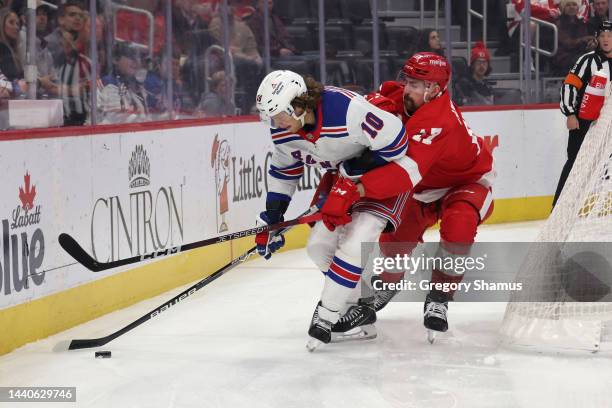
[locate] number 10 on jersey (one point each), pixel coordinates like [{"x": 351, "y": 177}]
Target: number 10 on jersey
[{"x": 372, "y": 125}]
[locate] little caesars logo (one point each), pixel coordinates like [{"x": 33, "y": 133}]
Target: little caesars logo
[
  {"x": 146, "y": 220},
  {"x": 22, "y": 256},
  {"x": 244, "y": 178},
  {"x": 220, "y": 162},
  {"x": 250, "y": 178}
]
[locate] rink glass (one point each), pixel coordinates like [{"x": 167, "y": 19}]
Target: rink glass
[{"x": 203, "y": 59}]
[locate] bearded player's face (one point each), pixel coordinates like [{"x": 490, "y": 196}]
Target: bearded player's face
[{"x": 414, "y": 94}]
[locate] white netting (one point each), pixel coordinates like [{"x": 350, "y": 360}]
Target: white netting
[{"x": 544, "y": 315}]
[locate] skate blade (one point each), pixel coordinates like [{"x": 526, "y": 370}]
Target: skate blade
[
  {"x": 431, "y": 336},
  {"x": 312, "y": 344},
  {"x": 366, "y": 332}
]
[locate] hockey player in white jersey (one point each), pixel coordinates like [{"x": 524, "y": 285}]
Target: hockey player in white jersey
[{"x": 321, "y": 126}]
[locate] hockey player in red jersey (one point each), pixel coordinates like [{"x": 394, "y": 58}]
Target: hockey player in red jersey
[{"x": 447, "y": 169}]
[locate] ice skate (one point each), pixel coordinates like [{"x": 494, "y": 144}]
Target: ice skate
[
  {"x": 320, "y": 327},
  {"x": 382, "y": 297},
  {"x": 357, "y": 323},
  {"x": 434, "y": 314}
]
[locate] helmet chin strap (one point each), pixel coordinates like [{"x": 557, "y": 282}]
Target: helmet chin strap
[
  {"x": 426, "y": 95},
  {"x": 301, "y": 118}
]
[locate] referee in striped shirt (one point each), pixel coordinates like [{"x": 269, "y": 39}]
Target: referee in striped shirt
[{"x": 572, "y": 91}]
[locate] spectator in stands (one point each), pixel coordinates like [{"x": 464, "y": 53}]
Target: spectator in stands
[
  {"x": 148, "y": 76},
  {"x": 53, "y": 11},
  {"x": 84, "y": 41},
  {"x": 574, "y": 38},
  {"x": 429, "y": 41},
  {"x": 10, "y": 65},
  {"x": 74, "y": 76},
  {"x": 182, "y": 103},
  {"x": 243, "y": 9},
  {"x": 70, "y": 18},
  {"x": 496, "y": 24},
  {"x": 280, "y": 43},
  {"x": 546, "y": 10},
  {"x": 6, "y": 88},
  {"x": 122, "y": 98},
  {"x": 247, "y": 60},
  {"x": 190, "y": 21},
  {"x": 205, "y": 10},
  {"x": 474, "y": 90},
  {"x": 243, "y": 45},
  {"x": 47, "y": 72},
  {"x": 572, "y": 94},
  {"x": 600, "y": 14},
  {"x": 215, "y": 102}
]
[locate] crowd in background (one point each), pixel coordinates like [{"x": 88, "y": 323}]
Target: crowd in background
[
  {"x": 132, "y": 72},
  {"x": 576, "y": 21}
]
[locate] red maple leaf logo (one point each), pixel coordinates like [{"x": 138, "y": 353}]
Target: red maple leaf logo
[{"x": 27, "y": 196}]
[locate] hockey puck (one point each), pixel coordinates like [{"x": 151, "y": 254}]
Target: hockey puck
[{"x": 103, "y": 354}]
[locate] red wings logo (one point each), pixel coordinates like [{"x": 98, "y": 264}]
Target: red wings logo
[
  {"x": 27, "y": 194},
  {"x": 491, "y": 142}
]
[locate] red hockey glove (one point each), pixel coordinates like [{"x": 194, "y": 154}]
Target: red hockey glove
[
  {"x": 342, "y": 196},
  {"x": 382, "y": 102},
  {"x": 326, "y": 182}
]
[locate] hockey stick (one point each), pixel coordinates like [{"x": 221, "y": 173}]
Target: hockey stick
[
  {"x": 90, "y": 343},
  {"x": 79, "y": 254}
]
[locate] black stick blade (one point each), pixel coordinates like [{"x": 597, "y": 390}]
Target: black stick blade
[
  {"x": 77, "y": 252},
  {"x": 88, "y": 343}
]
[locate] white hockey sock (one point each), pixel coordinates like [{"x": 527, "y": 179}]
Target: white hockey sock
[
  {"x": 340, "y": 280},
  {"x": 334, "y": 296}
]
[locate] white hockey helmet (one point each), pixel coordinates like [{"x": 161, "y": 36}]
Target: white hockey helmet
[{"x": 276, "y": 92}]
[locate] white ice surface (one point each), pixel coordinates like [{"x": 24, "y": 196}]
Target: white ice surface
[{"x": 240, "y": 342}]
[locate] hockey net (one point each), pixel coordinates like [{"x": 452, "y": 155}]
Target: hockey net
[{"x": 543, "y": 315}]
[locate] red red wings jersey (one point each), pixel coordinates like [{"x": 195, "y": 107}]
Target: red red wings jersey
[{"x": 443, "y": 153}]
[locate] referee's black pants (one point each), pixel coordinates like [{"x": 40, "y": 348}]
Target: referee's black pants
[{"x": 576, "y": 137}]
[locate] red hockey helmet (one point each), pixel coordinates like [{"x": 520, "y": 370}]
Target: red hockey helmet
[{"x": 428, "y": 66}]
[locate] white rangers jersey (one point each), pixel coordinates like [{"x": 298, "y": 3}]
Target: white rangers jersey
[{"x": 346, "y": 125}]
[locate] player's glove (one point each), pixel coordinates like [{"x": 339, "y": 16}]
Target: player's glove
[
  {"x": 325, "y": 185},
  {"x": 267, "y": 242},
  {"x": 382, "y": 102},
  {"x": 342, "y": 196}
]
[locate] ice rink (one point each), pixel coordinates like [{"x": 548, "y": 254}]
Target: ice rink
[{"x": 240, "y": 342}]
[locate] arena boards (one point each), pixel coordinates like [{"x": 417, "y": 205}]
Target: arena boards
[{"x": 127, "y": 190}]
